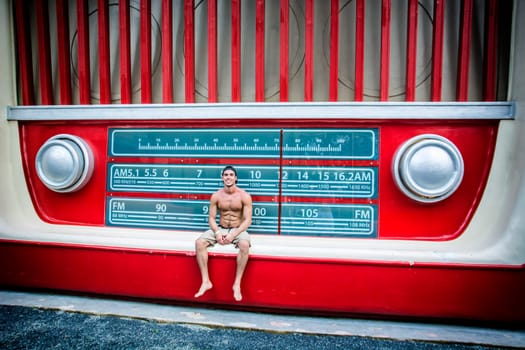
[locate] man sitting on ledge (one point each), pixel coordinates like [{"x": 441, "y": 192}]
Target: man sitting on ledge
[{"x": 235, "y": 208}]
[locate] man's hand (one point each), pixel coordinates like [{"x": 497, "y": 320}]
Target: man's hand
[
  {"x": 226, "y": 239},
  {"x": 221, "y": 239}
]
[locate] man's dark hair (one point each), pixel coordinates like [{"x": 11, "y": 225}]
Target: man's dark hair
[{"x": 229, "y": 167}]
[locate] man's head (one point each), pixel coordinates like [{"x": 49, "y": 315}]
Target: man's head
[{"x": 229, "y": 171}]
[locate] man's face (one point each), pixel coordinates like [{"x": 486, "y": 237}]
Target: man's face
[{"x": 229, "y": 178}]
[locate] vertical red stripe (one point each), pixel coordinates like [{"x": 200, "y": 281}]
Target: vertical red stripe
[
  {"x": 212, "y": 50},
  {"x": 25, "y": 61},
  {"x": 44, "y": 55},
  {"x": 283, "y": 50},
  {"x": 334, "y": 49},
  {"x": 309, "y": 52},
  {"x": 386, "y": 13},
  {"x": 189, "y": 51},
  {"x": 411, "y": 51},
  {"x": 104, "y": 54},
  {"x": 490, "y": 58},
  {"x": 259, "y": 51},
  {"x": 359, "y": 49},
  {"x": 464, "y": 51},
  {"x": 236, "y": 51},
  {"x": 84, "y": 70},
  {"x": 125, "y": 52},
  {"x": 167, "y": 52},
  {"x": 145, "y": 51},
  {"x": 437, "y": 51},
  {"x": 64, "y": 62}
]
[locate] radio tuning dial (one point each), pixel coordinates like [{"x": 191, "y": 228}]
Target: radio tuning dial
[
  {"x": 428, "y": 168},
  {"x": 64, "y": 163}
]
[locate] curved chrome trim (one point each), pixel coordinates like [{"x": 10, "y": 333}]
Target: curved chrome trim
[{"x": 299, "y": 110}]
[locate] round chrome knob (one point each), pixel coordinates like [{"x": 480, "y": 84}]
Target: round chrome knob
[
  {"x": 428, "y": 168},
  {"x": 64, "y": 163}
]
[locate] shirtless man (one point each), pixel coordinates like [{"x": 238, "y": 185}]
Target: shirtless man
[{"x": 235, "y": 208}]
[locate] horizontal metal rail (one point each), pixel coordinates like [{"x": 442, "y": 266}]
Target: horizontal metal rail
[{"x": 272, "y": 111}]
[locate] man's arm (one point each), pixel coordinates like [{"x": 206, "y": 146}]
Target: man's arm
[{"x": 212, "y": 213}]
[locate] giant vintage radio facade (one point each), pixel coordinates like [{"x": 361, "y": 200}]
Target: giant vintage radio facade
[
  {"x": 384, "y": 152},
  {"x": 309, "y": 174}
]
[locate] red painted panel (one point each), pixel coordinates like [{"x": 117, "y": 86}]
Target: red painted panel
[
  {"x": 489, "y": 293},
  {"x": 399, "y": 216},
  {"x": 53, "y": 207},
  {"x": 104, "y": 53}
]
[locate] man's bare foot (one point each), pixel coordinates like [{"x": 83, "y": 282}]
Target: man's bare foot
[
  {"x": 237, "y": 293},
  {"x": 205, "y": 286}
]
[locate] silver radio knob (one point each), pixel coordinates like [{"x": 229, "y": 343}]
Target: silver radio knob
[
  {"x": 64, "y": 163},
  {"x": 428, "y": 168}
]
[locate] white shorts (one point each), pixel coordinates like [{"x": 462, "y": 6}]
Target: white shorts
[{"x": 210, "y": 237}]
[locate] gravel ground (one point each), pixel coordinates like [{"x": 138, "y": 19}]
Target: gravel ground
[{"x": 34, "y": 328}]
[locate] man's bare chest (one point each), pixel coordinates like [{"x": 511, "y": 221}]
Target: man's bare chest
[{"x": 230, "y": 203}]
